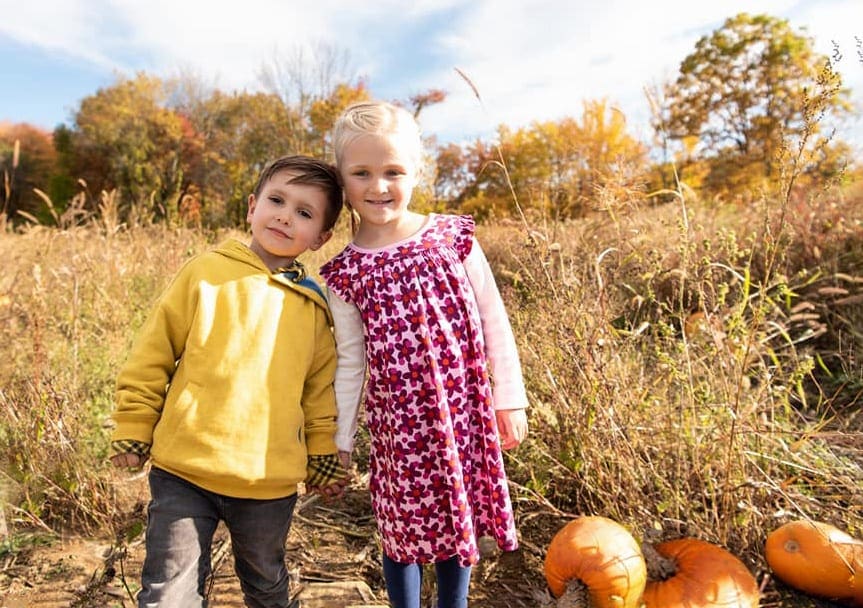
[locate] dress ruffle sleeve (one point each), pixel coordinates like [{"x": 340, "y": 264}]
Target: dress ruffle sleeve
[{"x": 464, "y": 229}]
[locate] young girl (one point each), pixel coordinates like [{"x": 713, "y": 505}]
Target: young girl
[{"x": 413, "y": 297}]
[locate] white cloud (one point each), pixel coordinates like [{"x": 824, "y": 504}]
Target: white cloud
[
  {"x": 72, "y": 28},
  {"x": 539, "y": 61},
  {"x": 530, "y": 61}
]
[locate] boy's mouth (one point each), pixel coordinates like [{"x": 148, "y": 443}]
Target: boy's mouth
[{"x": 279, "y": 232}]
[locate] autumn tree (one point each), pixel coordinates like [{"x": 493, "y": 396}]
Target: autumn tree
[
  {"x": 563, "y": 167},
  {"x": 125, "y": 137},
  {"x": 323, "y": 112},
  {"x": 27, "y": 162},
  {"x": 458, "y": 171},
  {"x": 430, "y": 97},
  {"x": 305, "y": 79},
  {"x": 750, "y": 91},
  {"x": 240, "y": 133}
]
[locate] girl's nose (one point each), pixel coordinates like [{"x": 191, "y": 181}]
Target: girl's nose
[{"x": 380, "y": 185}]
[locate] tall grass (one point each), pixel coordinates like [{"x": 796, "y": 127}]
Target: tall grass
[
  {"x": 692, "y": 368},
  {"x": 70, "y": 301},
  {"x": 674, "y": 386},
  {"x": 694, "y": 365}
]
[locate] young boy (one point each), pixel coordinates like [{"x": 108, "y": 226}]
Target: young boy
[{"x": 229, "y": 392}]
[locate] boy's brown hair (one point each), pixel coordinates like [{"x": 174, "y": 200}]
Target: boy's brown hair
[{"x": 312, "y": 172}]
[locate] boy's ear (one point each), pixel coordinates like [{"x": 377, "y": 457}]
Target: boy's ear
[
  {"x": 322, "y": 238},
  {"x": 251, "y": 211}
]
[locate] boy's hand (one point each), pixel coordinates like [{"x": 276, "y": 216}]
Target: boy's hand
[
  {"x": 129, "y": 453},
  {"x": 129, "y": 460},
  {"x": 326, "y": 476},
  {"x": 334, "y": 490},
  {"x": 345, "y": 459},
  {"x": 512, "y": 426}
]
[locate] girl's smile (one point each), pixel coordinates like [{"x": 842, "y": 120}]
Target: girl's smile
[{"x": 379, "y": 174}]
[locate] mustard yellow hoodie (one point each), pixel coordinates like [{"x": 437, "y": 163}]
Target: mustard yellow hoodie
[{"x": 230, "y": 380}]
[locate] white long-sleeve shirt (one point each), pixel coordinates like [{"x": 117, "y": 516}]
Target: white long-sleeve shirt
[{"x": 508, "y": 390}]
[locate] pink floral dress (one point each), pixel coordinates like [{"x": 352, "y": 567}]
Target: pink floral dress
[{"x": 437, "y": 479}]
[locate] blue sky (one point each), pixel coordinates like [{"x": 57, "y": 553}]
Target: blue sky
[{"x": 530, "y": 60}]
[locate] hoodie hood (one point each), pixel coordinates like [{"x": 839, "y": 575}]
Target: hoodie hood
[
  {"x": 237, "y": 250},
  {"x": 294, "y": 279}
]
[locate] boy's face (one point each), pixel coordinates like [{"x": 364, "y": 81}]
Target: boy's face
[{"x": 287, "y": 219}]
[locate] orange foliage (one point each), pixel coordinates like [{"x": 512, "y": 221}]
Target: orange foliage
[{"x": 27, "y": 161}]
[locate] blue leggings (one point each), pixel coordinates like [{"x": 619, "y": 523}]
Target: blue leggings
[{"x": 405, "y": 580}]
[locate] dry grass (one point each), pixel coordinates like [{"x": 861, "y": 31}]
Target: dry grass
[
  {"x": 720, "y": 430},
  {"x": 683, "y": 383},
  {"x": 70, "y": 301}
]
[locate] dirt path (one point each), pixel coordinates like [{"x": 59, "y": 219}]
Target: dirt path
[{"x": 330, "y": 542}]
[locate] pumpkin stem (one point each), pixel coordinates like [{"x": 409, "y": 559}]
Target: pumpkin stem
[
  {"x": 659, "y": 567},
  {"x": 575, "y": 596}
]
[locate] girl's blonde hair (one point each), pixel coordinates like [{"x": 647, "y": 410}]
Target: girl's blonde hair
[{"x": 377, "y": 118}]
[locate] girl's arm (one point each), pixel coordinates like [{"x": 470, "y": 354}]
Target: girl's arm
[
  {"x": 510, "y": 397},
  {"x": 350, "y": 370},
  {"x": 501, "y": 351}
]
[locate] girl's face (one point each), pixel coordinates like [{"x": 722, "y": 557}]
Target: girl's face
[{"x": 379, "y": 173}]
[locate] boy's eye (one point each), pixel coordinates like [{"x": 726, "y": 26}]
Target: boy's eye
[
  {"x": 275, "y": 200},
  {"x": 306, "y": 214}
]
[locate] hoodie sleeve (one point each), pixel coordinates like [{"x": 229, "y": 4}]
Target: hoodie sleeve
[
  {"x": 144, "y": 378},
  {"x": 319, "y": 402}
]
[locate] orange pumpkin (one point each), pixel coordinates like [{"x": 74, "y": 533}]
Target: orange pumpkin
[
  {"x": 698, "y": 574},
  {"x": 819, "y": 559},
  {"x": 603, "y": 556}
]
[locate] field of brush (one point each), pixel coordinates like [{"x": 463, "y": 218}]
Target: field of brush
[{"x": 693, "y": 369}]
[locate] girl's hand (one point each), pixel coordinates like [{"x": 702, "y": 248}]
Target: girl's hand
[
  {"x": 345, "y": 459},
  {"x": 512, "y": 426}
]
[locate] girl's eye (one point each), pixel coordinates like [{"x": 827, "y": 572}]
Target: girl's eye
[{"x": 360, "y": 173}]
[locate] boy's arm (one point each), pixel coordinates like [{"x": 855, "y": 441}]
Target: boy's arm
[
  {"x": 351, "y": 369},
  {"x": 143, "y": 380},
  {"x": 324, "y": 472}
]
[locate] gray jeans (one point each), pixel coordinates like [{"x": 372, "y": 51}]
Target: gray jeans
[{"x": 182, "y": 519}]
